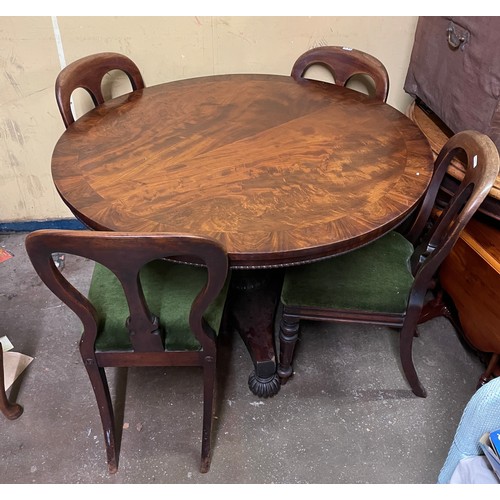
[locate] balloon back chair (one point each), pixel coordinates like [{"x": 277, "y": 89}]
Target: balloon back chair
[
  {"x": 344, "y": 63},
  {"x": 386, "y": 282},
  {"x": 143, "y": 308},
  {"x": 87, "y": 73}
]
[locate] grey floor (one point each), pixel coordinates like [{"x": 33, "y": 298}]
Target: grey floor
[{"x": 347, "y": 416}]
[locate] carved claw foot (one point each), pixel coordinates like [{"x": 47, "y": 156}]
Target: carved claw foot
[{"x": 264, "y": 387}]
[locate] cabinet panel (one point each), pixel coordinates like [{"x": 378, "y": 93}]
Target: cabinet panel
[{"x": 471, "y": 277}]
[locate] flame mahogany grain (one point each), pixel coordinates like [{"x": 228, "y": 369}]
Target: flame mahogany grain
[{"x": 278, "y": 171}]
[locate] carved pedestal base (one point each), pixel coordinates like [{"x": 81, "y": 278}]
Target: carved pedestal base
[
  {"x": 253, "y": 300},
  {"x": 264, "y": 387}
]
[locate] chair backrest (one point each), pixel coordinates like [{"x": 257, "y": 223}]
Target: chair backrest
[
  {"x": 344, "y": 63},
  {"x": 125, "y": 254},
  {"x": 87, "y": 73},
  {"x": 434, "y": 244}
]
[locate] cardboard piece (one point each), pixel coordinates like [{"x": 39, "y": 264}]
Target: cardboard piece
[
  {"x": 14, "y": 363},
  {"x": 4, "y": 255}
]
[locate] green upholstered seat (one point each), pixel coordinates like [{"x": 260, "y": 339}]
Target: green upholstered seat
[
  {"x": 169, "y": 289},
  {"x": 375, "y": 278}
]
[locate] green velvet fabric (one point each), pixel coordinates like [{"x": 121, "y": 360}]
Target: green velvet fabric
[
  {"x": 375, "y": 278},
  {"x": 169, "y": 289}
]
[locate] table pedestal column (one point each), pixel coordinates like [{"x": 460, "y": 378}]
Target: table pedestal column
[{"x": 253, "y": 301}]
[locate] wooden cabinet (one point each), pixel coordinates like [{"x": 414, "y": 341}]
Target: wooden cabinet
[{"x": 470, "y": 275}]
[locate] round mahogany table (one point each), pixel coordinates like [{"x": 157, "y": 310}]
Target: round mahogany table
[{"x": 278, "y": 171}]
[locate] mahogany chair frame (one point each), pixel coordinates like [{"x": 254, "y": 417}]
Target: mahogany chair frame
[
  {"x": 87, "y": 73},
  {"x": 431, "y": 246},
  {"x": 8, "y": 409},
  {"x": 344, "y": 63},
  {"x": 125, "y": 254}
]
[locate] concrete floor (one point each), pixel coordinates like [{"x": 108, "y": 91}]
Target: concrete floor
[{"x": 347, "y": 416}]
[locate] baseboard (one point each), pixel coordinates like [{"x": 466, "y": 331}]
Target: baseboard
[{"x": 28, "y": 226}]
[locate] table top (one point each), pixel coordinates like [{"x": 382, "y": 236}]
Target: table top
[{"x": 278, "y": 171}]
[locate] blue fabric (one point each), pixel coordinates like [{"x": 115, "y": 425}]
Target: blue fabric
[{"x": 482, "y": 414}]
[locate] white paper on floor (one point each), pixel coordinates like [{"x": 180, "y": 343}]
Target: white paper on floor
[{"x": 14, "y": 363}]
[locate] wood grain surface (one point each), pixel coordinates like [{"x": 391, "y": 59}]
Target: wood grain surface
[
  {"x": 471, "y": 276},
  {"x": 437, "y": 134},
  {"x": 278, "y": 171}
]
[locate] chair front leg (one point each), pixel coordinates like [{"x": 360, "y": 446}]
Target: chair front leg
[
  {"x": 289, "y": 334},
  {"x": 209, "y": 372},
  {"x": 405, "y": 352},
  {"x": 10, "y": 410},
  {"x": 99, "y": 383}
]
